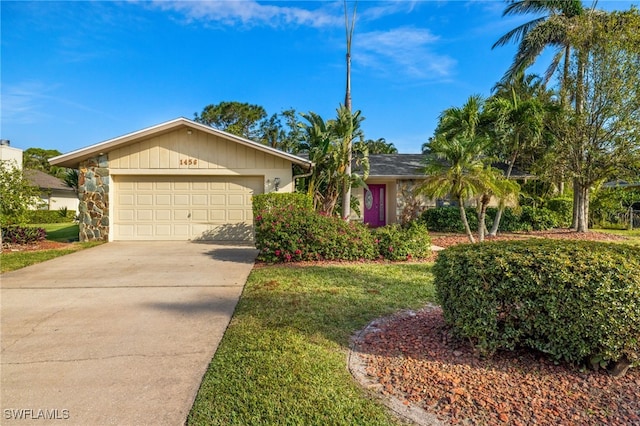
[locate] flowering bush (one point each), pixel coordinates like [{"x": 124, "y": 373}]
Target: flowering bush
[
  {"x": 398, "y": 243},
  {"x": 287, "y": 234},
  {"x": 289, "y": 230},
  {"x": 22, "y": 235}
]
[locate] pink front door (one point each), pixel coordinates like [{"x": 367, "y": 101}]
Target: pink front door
[{"x": 374, "y": 205}]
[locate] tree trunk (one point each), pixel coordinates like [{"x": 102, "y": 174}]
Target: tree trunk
[
  {"x": 501, "y": 207},
  {"x": 482, "y": 214},
  {"x": 583, "y": 208},
  {"x": 576, "y": 205},
  {"x": 346, "y": 190},
  {"x": 465, "y": 222}
]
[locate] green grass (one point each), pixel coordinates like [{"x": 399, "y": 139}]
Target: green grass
[
  {"x": 633, "y": 236},
  {"x": 283, "y": 358},
  {"x": 62, "y": 232},
  {"x": 10, "y": 261}
]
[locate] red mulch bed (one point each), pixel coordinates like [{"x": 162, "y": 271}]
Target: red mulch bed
[
  {"x": 40, "y": 245},
  {"x": 447, "y": 240},
  {"x": 417, "y": 360}
]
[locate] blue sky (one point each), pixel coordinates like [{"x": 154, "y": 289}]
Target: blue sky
[{"x": 78, "y": 73}]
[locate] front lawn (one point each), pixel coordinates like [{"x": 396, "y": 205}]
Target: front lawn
[
  {"x": 633, "y": 236},
  {"x": 283, "y": 358},
  {"x": 62, "y": 232}
]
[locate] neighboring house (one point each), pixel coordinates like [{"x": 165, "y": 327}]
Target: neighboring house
[
  {"x": 178, "y": 180},
  {"x": 391, "y": 183},
  {"x": 55, "y": 194}
]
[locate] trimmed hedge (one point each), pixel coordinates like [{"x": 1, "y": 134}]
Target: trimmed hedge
[
  {"x": 574, "y": 300},
  {"x": 51, "y": 216},
  {"x": 447, "y": 219},
  {"x": 22, "y": 235}
]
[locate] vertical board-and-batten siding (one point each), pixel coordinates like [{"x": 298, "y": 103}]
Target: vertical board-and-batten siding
[{"x": 166, "y": 151}]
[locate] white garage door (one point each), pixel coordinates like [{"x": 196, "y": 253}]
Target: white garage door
[{"x": 184, "y": 207}]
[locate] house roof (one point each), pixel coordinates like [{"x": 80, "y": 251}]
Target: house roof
[
  {"x": 621, "y": 184},
  {"x": 46, "y": 181},
  {"x": 405, "y": 166},
  {"x": 411, "y": 166},
  {"x": 73, "y": 158}
]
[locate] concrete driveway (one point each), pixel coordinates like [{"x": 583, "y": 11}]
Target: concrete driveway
[{"x": 119, "y": 334}]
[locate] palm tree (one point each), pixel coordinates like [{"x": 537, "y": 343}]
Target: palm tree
[
  {"x": 534, "y": 36},
  {"x": 330, "y": 146},
  {"x": 463, "y": 122},
  {"x": 518, "y": 113},
  {"x": 349, "y": 27},
  {"x": 380, "y": 146},
  {"x": 456, "y": 167}
]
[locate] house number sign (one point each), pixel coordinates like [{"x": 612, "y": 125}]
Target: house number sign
[{"x": 188, "y": 161}]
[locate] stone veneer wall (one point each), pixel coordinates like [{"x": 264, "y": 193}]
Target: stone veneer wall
[{"x": 93, "y": 191}]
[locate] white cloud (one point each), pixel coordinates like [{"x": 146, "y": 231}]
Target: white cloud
[
  {"x": 402, "y": 51},
  {"x": 251, "y": 13}
]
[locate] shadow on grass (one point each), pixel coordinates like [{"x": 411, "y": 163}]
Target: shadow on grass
[{"x": 334, "y": 301}]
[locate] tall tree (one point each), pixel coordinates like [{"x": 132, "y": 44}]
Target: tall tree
[
  {"x": 326, "y": 143},
  {"x": 380, "y": 146},
  {"x": 458, "y": 164},
  {"x": 241, "y": 119},
  {"x": 38, "y": 159},
  {"x": 601, "y": 133},
  {"x": 346, "y": 192},
  {"x": 548, "y": 30},
  {"x": 518, "y": 111},
  {"x": 456, "y": 168}
]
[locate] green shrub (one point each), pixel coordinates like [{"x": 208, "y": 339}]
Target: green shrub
[
  {"x": 574, "y": 300},
  {"x": 563, "y": 207},
  {"x": 51, "y": 216},
  {"x": 286, "y": 234},
  {"x": 264, "y": 202},
  {"x": 447, "y": 219},
  {"x": 538, "y": 218},
  {"x": 22, "y": 235},
  {"x": 398, "y": 243}
]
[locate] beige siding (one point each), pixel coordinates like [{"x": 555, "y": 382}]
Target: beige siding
[{"x": 195, "y": 151}]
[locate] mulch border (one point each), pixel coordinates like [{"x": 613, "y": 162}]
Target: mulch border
[{"x": 405, "y": 411}]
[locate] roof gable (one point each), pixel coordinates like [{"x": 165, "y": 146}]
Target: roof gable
[{"x": 73, "y": 158}]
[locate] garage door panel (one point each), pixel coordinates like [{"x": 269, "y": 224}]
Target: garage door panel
[
  {"x": 163, "y": 200},
  {"x": 125, "y": 214},
  {"x": 199, "y": 215},
  {"x": 144, "y": 199},
  {"x": 144, "y": 214},
  {"x": 217, "y": 200},
  {"x": 217, "y": 215},
  {"x": 181, "y": 200},
  {"x": 163, "y": 214},
  {"x": 199, "y": 200},
  {"x": 235, "y": 200},
  {"x": 185, "y": 207}
]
